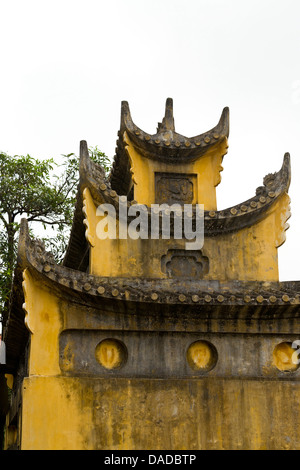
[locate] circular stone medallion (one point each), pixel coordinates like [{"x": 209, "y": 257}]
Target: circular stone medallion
[
  {"x": 202, "y": 356},
  {"x": 283, "y": 357},
  {"x": 111, "y": 354}
]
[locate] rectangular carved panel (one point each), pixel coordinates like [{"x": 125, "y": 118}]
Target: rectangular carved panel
[
  {"x": 185, "y": 264},
  {"x": 175, "y": 188},
  {"x": 164, "y": 354}
]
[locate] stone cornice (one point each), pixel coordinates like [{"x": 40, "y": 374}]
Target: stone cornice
[
  {"x": 32, "y": 255},
  {"x": 231, "y": 219}
]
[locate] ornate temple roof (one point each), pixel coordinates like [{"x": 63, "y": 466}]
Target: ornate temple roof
[
  {"x": 168, "y": 145},
  {"x": 246, "y": 306},
  {"x": 32, "y": 254},
  {"x": 231, "y": 219},
  {"x": 165, "y": 145},
  {"x": 259, "y": 304}
]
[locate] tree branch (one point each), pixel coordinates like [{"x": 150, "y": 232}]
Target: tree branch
[{"x": 48, "y": 222}]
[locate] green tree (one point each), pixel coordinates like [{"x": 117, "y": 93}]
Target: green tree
[{"x": 44, "y": 192}]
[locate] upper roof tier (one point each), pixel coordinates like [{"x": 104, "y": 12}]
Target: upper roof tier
[
  {"x": 265, "y": 213},
  {"x": 229, "y": 220},
  {"x": 166, "y": 146}
]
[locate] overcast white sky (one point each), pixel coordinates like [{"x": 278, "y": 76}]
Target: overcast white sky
[{"x": 67, "y": 65}]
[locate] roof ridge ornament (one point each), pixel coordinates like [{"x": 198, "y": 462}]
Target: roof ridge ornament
[
  {"x": 167, "y": 123},
  {"x": 167, "y": 145},
  {"x": 221, "y": 130}
]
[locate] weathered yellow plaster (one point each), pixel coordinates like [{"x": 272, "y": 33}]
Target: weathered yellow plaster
[
  {"x": 283, "y": 357},
  {"x": 249, "y": 254},
  {"x": 207, "y": 169},
  {"x": 44, "y": 323},
  {"x": 9, "y": 380},
  {"x": 117, "y": 414},
  {"x": 29, "y": 299},
  {"x": 54, "y": 415},
  {"x": 99, "y": 410}
]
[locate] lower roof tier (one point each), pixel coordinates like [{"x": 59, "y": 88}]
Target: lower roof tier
[
  {"x": 237, "y": 307},
  {"x": 230, "y": 220},
  {"x": 32, "y": 255}
]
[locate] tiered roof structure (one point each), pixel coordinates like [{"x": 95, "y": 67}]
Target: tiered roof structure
[{"x": 146, "y": 293}]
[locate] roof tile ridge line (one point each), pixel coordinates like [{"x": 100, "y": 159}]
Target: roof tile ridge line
[
  {"x": 90, "y": 177},
  {"x": 284, "y": 174},
  {"x": 87, "y": 283},
  {"x": 280, "y": 184},
  {"x": 32, "y": 255},
  {"x": 125, "y": 116},
  {"x": 100, "y": 187},
  {"x": 24, "y": 243},
  {"x": 27, "y": 244},
  {"x": 220, "y": 130},
  {"x": 87, "y": 172},
  {"x": 88, "y": 167}
]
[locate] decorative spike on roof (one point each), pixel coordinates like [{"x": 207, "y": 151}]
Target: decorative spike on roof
[
  {"x": 167, "y": 144},
  {"x": 136, "y": 305},
  {"x": 270, "y": 198},
  {"x": 167, "y": 123}
]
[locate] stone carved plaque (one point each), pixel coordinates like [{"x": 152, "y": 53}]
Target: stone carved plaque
[
  {"x": 171, "y": 354},
  {"x": 185, "y": 264},
  {"x": 175, "y": 188}
]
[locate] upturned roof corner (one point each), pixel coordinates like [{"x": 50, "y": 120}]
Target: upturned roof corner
[{"x": 168, "y": 144}]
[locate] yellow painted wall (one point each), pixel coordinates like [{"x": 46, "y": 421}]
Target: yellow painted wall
[
  {"x": 249, "y": 254},
  {"x": 88, "y": 412},
  {"x": 119, "y": 414},
  {"x": 63, "y": 411},
  {"x": 44, "y": 321},
  {"x": 207, "y": 168}
]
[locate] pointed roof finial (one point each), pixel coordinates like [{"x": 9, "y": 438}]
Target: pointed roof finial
[{"x": 168, "y": 121}]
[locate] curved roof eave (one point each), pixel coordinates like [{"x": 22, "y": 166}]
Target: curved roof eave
[
  {"x": 168, "y": 145},
  {"x": 231, "y": 219},
  {"x": 32, "y": 255}
]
